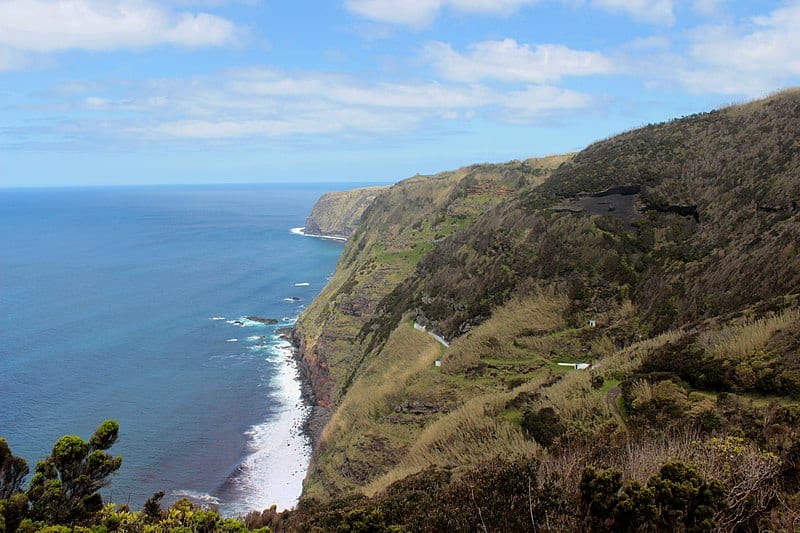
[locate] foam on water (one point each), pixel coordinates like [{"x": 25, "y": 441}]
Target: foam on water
[
  {"x": 273, "y": 470},
  {"x": 301, "y": 231},
  {"x": 244, "y": 322},
  {"x": 197, "y": 497}
]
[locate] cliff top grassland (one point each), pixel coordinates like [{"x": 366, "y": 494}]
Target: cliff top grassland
[{"x": 666, "y": 257}]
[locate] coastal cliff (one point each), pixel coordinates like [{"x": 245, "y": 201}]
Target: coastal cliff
[
  {"x": 337, "y": 214},
  {"x": 663, "y": 261}
]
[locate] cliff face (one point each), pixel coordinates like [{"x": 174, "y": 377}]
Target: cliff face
[
  {"x": 337, "y": 214},
  {"x": 399, "y": 228},
  {"x": 667, "y": 254}
]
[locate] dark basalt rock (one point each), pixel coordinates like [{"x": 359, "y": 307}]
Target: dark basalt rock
[
  {"x": 260, "y": 320},
  {"x": 624, "y": 190},
  {"x": 683, "y": 210}
]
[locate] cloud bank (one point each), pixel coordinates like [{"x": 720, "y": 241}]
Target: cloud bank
[{"x": 54, "y": 25}]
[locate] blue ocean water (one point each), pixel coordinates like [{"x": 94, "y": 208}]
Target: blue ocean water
[{"x": 111, "y": 306}]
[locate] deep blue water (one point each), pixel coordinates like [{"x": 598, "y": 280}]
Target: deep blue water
[{"x": 106, "y": 300}]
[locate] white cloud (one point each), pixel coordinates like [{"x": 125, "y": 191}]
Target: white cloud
[
  {"x": 508, "y": 61},
  {"x": 747, "y": 59},
  {"x": 53, "y": 25},
  {"x": 343, "y": 90},
  {"x": 263, "y": 104},
  {"x": 11, "y": 59},
  {"x": 707, "y": 7},
  {"x": 420, "y": 13},
  {"x": 414, "y": 13},
  {"x": 100, "y": 103},
  {"x": 528, "y": 105},
  {"x": 653, "y": 11}
]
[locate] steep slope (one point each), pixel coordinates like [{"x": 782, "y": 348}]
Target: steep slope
[
  {"x": 397, "y": 230},
  {"x": 337, "y": 214},
  {"x": 666, "y": 256},
  {"x": 708, "y": 226}
]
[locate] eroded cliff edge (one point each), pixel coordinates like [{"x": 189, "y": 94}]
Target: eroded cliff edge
[{"x": 337, "y": 214}]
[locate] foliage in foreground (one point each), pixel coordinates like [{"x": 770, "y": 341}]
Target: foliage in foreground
[{"x": 716, "y": 484}]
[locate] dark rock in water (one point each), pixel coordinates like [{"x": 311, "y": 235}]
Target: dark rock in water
[
  {"x": 284, "y": 333},
  {"x": 261, "y": 320}
]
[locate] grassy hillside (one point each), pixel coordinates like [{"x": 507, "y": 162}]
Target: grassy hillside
[
  {"x": 666, "y": 257},
  {"x": 399, "y": 228}
]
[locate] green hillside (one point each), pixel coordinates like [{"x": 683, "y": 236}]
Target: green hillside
[{"x": 666, "y": 257}]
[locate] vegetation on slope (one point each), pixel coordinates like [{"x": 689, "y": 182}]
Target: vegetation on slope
[
  {"x": 665, "y": 257},
  {"x": 403, "y": 224}
]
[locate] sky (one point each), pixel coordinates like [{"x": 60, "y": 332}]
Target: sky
[{"x": 121, "y": 92}]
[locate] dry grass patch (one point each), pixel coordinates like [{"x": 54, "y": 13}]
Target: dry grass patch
[
  {"x": 739, "y": 342},
  {"x": 540, "y": 314},
  {"x": 473, "y": 433},
  {"x": 406, "y": 353}
]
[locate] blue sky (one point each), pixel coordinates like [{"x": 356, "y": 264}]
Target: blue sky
[{"x": 104, "y": 92}]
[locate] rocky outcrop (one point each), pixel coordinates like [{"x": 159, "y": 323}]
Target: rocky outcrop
[
  {"x": 262, "y": 320},
  {"x": 337, "y": 214},
  {"x": 317, "y": 387}
]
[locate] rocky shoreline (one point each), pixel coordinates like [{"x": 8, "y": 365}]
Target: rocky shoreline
[{"x": 318, "y": 413}]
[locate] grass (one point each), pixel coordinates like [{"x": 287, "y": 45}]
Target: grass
[
  {"x": 520, "y": 317},
  {"x": 407, "y": 353},
  {"x": 472, "y": 433},
  {"x": 739, "y": 342}
]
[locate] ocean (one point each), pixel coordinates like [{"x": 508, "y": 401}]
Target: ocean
[{"x": 129, "y": 303}]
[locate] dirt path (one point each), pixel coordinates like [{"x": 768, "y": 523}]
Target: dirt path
[{"x": 611, "y": 398}]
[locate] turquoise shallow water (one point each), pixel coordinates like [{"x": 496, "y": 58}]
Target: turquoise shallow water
[{"x": 107, "y": 300}]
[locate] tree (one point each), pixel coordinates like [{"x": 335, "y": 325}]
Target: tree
[
  {"x": 65, "y": 485},
  {"x": 13, "y": 504},
  {"x": 544, "y": 425},
  {"x": 685, "y": 498},
  {"x": 12, "y": 471},
  {"x": 677, "y": 498}
]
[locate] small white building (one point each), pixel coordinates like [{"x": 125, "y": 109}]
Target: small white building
[{"x": 577, "y": 366}]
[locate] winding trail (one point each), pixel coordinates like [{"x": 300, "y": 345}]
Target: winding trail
[
  {"x": 611, "y": 397},
  {"x": 438, "y": 338}
]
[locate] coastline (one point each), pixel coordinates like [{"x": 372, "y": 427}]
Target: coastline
[
  {"x": 316, "y": 415},
  {"x": 333, "y": 237},
  {"x": 279, "y": 451}
]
